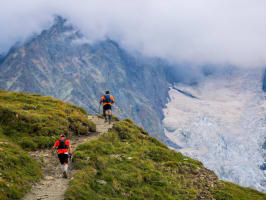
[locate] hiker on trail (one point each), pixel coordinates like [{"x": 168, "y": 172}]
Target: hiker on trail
[
  {"x": 107, "y": 100},
  {"x": 64, "y": 151}
]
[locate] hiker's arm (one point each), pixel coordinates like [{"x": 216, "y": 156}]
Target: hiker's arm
[
  {"x": 101, "y": 101},
  {"x": 113, "y": 99},
  {"x": 70, "y": 149},
  {"x": 55, "y": 145}
]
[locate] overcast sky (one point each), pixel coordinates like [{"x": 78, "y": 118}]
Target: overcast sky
[{"x": 194, "y": 31}]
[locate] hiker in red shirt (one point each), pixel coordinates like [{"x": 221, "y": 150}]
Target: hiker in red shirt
[{"x": 64, "y": 151}]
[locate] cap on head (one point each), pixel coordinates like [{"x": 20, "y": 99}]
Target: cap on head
[
  {"x": 107, "y": 92},
  {"x": 62, "y": 135}
]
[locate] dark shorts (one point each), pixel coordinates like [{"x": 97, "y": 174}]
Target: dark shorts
[
  {"x": 63, "y": 158},
  {"x": 107, "y": 107}
]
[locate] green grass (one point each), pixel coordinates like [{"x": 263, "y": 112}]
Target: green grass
[
  {"x": 32, "y": 122},
  {"x": 35, "y": 121},
  {"x": 232, "y": 191},
  {"x": 17, "y": 170},
  {"x": 126, "y": 163}
]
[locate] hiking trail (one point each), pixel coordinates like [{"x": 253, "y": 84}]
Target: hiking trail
[{"x": 53, "y": 186}]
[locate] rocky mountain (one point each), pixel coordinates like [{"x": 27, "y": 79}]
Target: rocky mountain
[
  {"x": 218, "y": 120},
  {"x": 60, "y": 63}
]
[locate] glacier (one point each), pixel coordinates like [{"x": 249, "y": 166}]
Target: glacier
[{"x": 221, "y": 122}]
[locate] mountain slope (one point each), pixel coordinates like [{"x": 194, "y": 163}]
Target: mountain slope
[
  {"x": 17, "y": 169},
  {"x": 32, "y": 122},
  {"x": 126, "y": 163},
  {"x": 59, "y": 63}
]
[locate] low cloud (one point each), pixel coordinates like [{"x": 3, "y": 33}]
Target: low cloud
[{"x": 184, "y": 31}]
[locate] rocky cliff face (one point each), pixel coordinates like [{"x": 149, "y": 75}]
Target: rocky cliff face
[{"x": 59, "y": 63}]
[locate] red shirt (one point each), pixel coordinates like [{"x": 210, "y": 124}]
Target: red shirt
[{"x": 57, "y": 143}]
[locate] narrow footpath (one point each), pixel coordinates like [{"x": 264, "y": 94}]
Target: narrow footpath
[{"x": 53, "y": 186}]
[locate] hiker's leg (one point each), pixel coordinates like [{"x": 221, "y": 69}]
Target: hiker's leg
[
  {"x": 62, "y": 160},
  {"x": 65, "y": 162},
  {"x": 65, "y": 167},
  {"x": 104, "y": 114},
  {"x": 104, "y": 111}
]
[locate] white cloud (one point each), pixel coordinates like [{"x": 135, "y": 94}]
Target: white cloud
[{"x": 199, "y": 32}]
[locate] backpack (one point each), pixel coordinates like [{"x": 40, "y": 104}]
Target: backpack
[
  {"x": 107, "y": 98},
  {"x": 62, "y": 145}
]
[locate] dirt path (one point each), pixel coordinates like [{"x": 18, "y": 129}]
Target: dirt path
[
  {"x": 53, "y": 186},
  {"x": 101, "y": 126}
]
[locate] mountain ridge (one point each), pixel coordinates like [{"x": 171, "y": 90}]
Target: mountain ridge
[
  {"x": 58, "y": 63},
  {"x": 123, "y": 163}
]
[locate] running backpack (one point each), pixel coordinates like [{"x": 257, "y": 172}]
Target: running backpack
[
  {"x": 107, "y": 99},
  {"x": 62, "y": 145}
]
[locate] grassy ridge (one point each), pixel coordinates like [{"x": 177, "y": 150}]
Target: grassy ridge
[
  {"x": 126, "y": 163},
  {"x": 32, "y": 122}
]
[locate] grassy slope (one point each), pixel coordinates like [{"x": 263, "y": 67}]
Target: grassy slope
[
  {"x": 34, "y": 121},
  {"x": 126, "y": 163},
  {"x": 31, "y": 122},
  {"x": 17, "y": 170}
]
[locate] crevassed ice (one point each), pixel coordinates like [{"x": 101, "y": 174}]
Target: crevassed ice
[{"x": 224, "y": 126}]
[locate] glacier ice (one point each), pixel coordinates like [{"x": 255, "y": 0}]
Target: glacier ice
[{"x": 224, "y": 126}]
